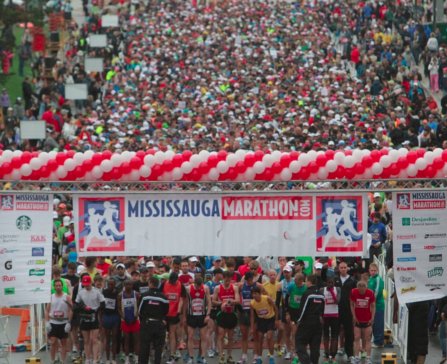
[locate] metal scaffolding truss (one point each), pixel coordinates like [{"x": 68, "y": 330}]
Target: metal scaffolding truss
[{"x": 114, "y": 187}]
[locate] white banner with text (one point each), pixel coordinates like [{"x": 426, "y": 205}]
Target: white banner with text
[{"x": 221, "y": 224}]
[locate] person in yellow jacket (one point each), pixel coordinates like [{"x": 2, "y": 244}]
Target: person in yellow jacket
[{"x": 264, "y": 320}]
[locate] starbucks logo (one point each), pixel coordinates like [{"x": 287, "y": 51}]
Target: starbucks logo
[{"x": 24, "y": 223}]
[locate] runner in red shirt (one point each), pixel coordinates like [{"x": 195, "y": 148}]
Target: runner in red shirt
[{"x": 363, "y": 308}]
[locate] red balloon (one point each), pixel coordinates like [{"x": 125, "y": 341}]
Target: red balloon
[
  {"x": 167, "y": 165},
  {"x": 151, "y": 151},
  {"x": 330, "y": 154},
  {"x": 136, "y": 163},
  {"x": 107, "y": 154},
  {"x": 438, "y": 163},
  {"x": 97, "y": 159},
  {"x": 350, "y": 173},
  {"x": 240, "y": 167},
  {"x": 52, "y": 165},
  {"x": 313, "y": 167},
  {"x": 359, "y": 168},
  {"x": 340, "y": 172},
  {"x": 116, "y": 174},
  {"x": 420, "y": 152},
  {"x": 375, "y": 155},
  {"x": 444, "y": 155},
  {"x": 268, "y": 174},
  {"x": 203, "y": 168},
  {"x": 126, "y": 168},
  {"x": 285, "y": 160},
  {"x": 107, "y": 176},
  {"x": 79, "y": 172},
  {"x": 232, "y": 173},
  {"x": 140, "y": 154},
  {"x": 276, "y": 167},
  {"x": 222, "y": 155},
  {"x": 321, "y": 160},
  {"x": 16, "y": 162},
  {"x": 386, "y": 173},
  {"x": 430, "y": 172},
  {"x": 394, "y": 169},
  {"x": 402, "y": 163},
  {"x": 7, "y": 167},
  {"x": 384, "y": 152},
  {"x": 348, "y": 152},
  {"x": 304, "y": 173},
  {"x": 259, "y": 154},
  {"x": 412, "y": 156},
  {"x": 294, "y": 155},
  {"x": 62, "y": 157},
  {"x": 177, "y": 160},
  {"x": 87, "y": 165},
  {"x": 156, "y": 171},
  {"x": 195, "y": 175},
  {"x": 250, "y": 160},
  {"x": 187, "y": 155},
  {"x": 26, "y": 157},
  {"x": 71, "y": 153}
]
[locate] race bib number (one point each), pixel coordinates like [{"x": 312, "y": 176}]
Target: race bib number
[
  {"x": 297, "y": 299},
  {"x": 110, "y": 303},
  {"x": 197, "y": 307},
  {"x": 172, "y": 296},
  {"x": 262, "y": 312},
  {"x": 128, "y": 302},
  {"x": 246, "y": 303},
  {"x": 58, "y": 314}
]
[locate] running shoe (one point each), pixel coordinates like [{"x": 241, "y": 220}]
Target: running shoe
[
  {"x": 211, "y": 353},
  {"x": 204, "y": 361},
  {"x": 341, "y": 351},
  {"x": 199, "y": 360},
  {"x": 242, "y": 361},
  {"x": 295, "y": 360},
  {"x": 189, "y": 361},
  {"x": 230, "y": 360},
  {"x": 363, "y": 355},
  {"x": 288, "y": 356},
  {"x": 177, "y": 355},
  {"x": 222, "y": 359},
  {"x": 171, "y": 360}
]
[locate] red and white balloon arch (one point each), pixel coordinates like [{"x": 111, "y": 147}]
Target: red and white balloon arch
[{"x": 240, "y": 166}]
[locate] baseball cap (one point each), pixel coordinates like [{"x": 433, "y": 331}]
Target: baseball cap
[
  {"x": 150, "y": 264},
  {"x": 318, "y": 265},
  {"x": 215, "y": 259},
  {"x": 120, "y": 265},
  {"x": 287, "y": 268},
  {"x": 193, "y": 259},
  {"x": 86, "y": 279},
  {"x": 377, "y": 194}
]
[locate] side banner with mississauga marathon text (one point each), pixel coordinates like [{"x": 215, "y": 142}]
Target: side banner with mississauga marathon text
[
  {"x": 222, "y": 224},
  {"x": 419, "y": 245},
  {"x": 26, "y": 238}
]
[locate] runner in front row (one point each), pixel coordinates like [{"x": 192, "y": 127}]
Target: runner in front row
[
  {"x": 58, "y": 315},
  {"x": 198, "y": 311},
  {"x": 226, "y": 297}
]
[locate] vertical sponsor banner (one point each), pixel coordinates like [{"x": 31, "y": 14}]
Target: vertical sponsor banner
[
  {"x": 221, "y": 224},
  {"x": 419, "y": 245},
  {"x": 26, "y": 227}
]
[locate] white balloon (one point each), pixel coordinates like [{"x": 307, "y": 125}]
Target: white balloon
[
  {"x": 44, "y": 156},
  {"x": 17, "y": 153},
  {"x": 222, "y": 167},
  {"x": 367, "y": 174},
  {"x": 412, "y": 170},
  {"x": 106, "y": 166},
  {"x": 35, "y": 163},
  {"x": 7, "y": 155},
  {"x": 97, "y": 172},
  {"x": 286, "y": 174},
  {"x": 421, "y": 163},
  {"x": 88, "y": 154},
  {"x": 429, "y": 157},
  {"x": 195, "y": 160},
  {"x": 149, "y": 160},
  {"x": 70, "y": 164},
  {"x": 440, "y": 174},
  {"x": 349, "y": 162},
  {"x": 88, "y": 176},
  {"x": 159, "y": 157},
  {"x": 240, "y": 154},
  {"x": 376, "y": 169},
  {"x": 403, "y": 152},
  {"x": 268, "y": 160},
  {"x": 403, "y": 174},
  {"x": 322, "y": 173},
  {"x": 276, "y": 154},
  {"x": 177, "y": 174},
  {"x": 53, "y": 176},
  {"x": 259, "y": 167},
  {"x": 331, "y": 166},
  {"x": 232, "y": 160},
  {"x": 357, "y": 154},
  {"x": 339, "y": 158},
  {"x": 25, "y": 170},
  {"x": 385, "y": 161},
  {"x": 277, "y": 177},
  {"x": 295, "y": 166},
  {"x": 78, "y": 158},
  {"x": 62, "y": 172},
  {"x": 213, "y": 174},
  {"x": 365, "y": 152},
  {"x": 186, "y": 167},
  {"x": 145, "y": 171},
  {"x": 312, "y": 154},
  {"x": 249, "y": 174},
  {"x": 304, "y": 159},
  {"x": 437, "y": 152},
  {"x": 394, "y": 155},
  {"x": 15, "y": 175},
  {"x": 116, "y": 159},
  {"x": 134, "y": 176},
  {"x": 169, "y": 154}
]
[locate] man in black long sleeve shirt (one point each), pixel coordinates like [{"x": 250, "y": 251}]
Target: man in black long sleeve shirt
[
  {"x": 347, "y": 284},
  {"x": 152, "y": 310},
  {"x": 310, "y": 323}
]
